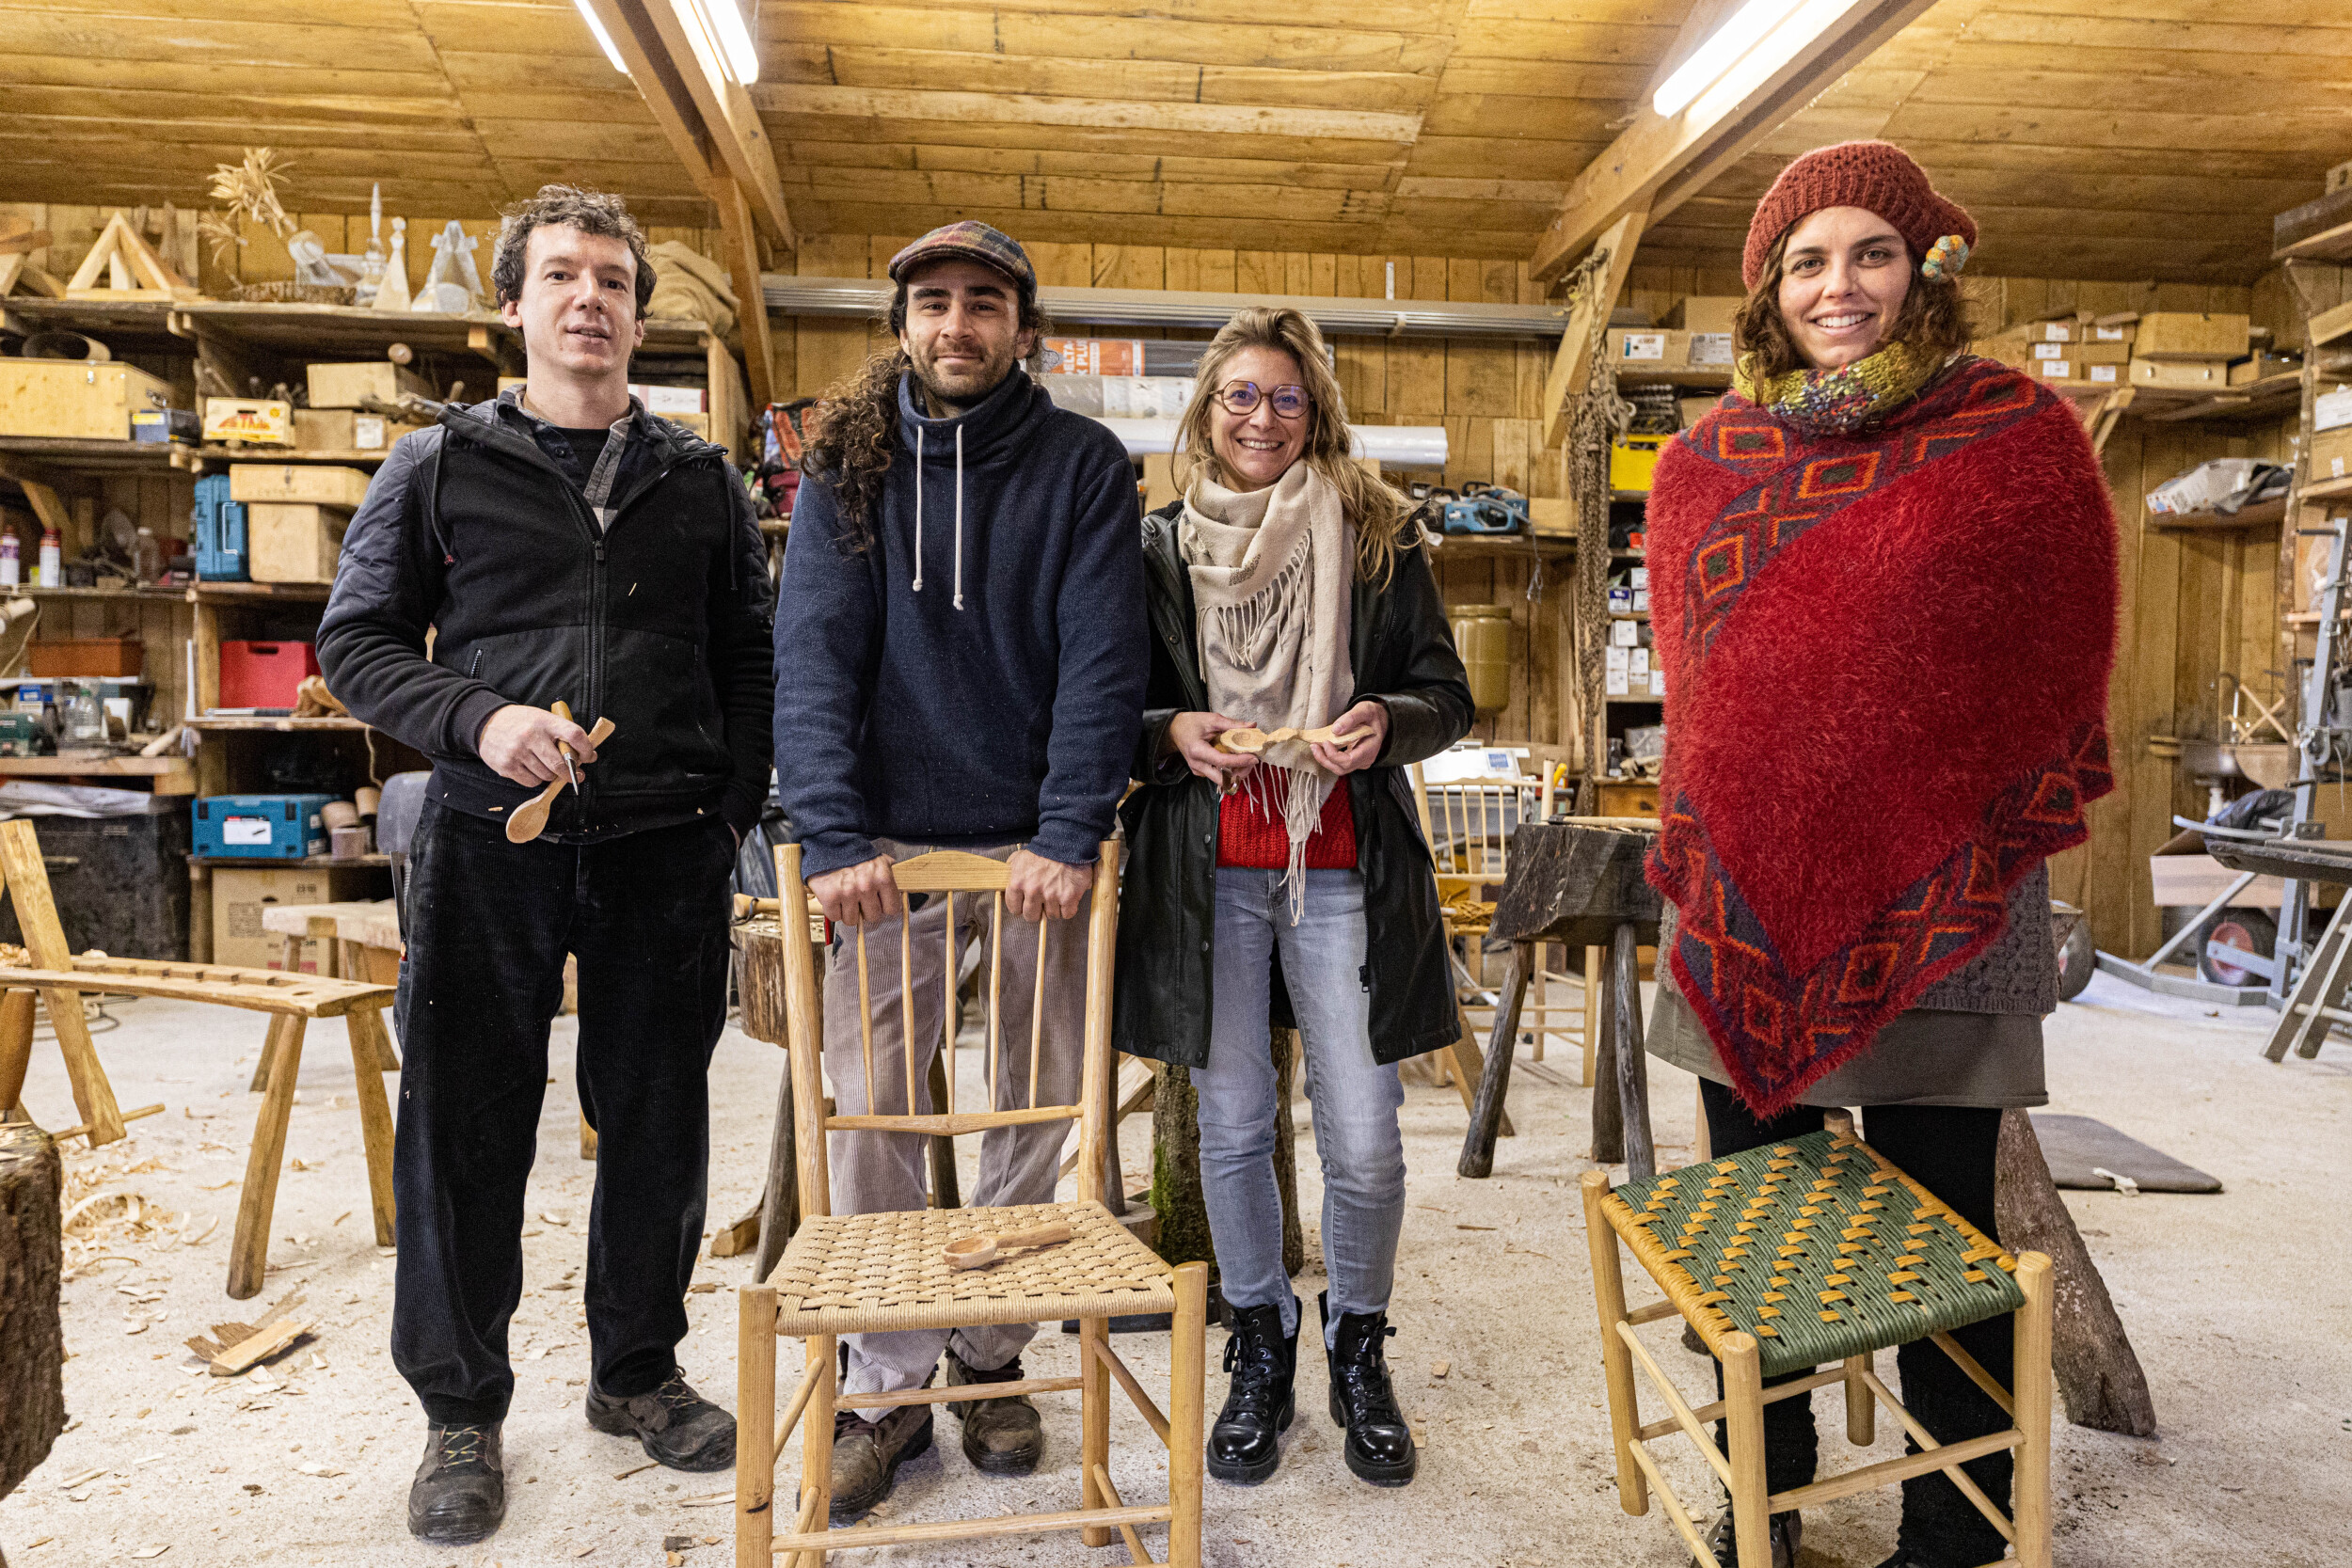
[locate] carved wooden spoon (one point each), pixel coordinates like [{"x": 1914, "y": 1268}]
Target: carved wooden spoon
[
  {"x": 972, "y": 1252},
  {"x": 1249, "y": 742},
  {"x": 531, "y": 819}
]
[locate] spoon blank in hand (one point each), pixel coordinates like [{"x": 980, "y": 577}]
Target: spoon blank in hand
[
  {"x": 531, "y": 819},
  {"x": 1249, "y": 742}
]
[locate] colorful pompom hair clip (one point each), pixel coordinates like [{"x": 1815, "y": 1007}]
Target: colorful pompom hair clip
[{"x": 1946, "y": 257}]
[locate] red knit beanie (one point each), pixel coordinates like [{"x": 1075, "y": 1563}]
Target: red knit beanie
[{"x": 1876, "y": 176}]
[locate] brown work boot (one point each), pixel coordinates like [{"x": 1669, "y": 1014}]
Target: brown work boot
[
  {"x": 1001, "y": 1436},
  {"x": 866, "y": 1455}
]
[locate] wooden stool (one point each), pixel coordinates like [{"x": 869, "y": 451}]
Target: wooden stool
[
  {"x": 291, "y": 1000},
  {"x": 1793, "y": 1255}
]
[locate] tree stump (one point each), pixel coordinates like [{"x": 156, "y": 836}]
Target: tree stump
[
  {"x": 2096, "y": 1368},
  {"x": 1176, "y": 1200},
  {"x": 32, "y": 1340}
]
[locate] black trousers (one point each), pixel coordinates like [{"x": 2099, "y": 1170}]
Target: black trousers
[
  {"x": 489, "y": 924},
  {"x": 1948, "y": 1150}
]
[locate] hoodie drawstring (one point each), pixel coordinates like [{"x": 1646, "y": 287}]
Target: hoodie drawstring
[{"x": 917, "y": 585}]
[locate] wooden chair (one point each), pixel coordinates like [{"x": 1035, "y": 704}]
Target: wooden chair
[
  {"x": 291, "y": 1000},
  {"x": 1797, "y": 1254},
  {"x": 848, "y": 1274}
]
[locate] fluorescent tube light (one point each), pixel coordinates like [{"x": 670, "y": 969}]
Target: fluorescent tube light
[
  {"x": 604, "y": 39},
  {"x": 735, "y": 38},
  {"x": 1719, "y": 54}
]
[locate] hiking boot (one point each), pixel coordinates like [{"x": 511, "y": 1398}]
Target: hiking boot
[
  {"x": 1788, "y": 1531},
  {"x": 866, "y": 1455},
  {"x": 459, "y": 1496},
  {"x": 1001, "y": 1436},
  {"x": 1243, "y": 1445},
  {"x": 1379, "y": 1444},
  {"x": 674, "y": 1425}
]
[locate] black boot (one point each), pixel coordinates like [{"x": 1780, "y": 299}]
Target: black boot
[
  {"x": 1379, "y": 1444},
  {"x": 1243, "y": 1445},
  {"x": 1786, "y": 1530},
  {"x": 459, "y": 1494}
]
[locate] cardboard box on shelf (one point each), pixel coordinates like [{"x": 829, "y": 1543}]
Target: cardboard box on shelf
[
  {"x": 293, "y": 542},
  {"x": 1703, "y": 313},
  {"x": 2181, "y": 376},
  {"x": 670, "y": 402},
  {"x": 2101, "y": 354},
  {"x": 2115, "y": 330},
  {"x": 2247, "y": 372},
  {"x": 1647, "y": 348},
  {"x": 1696, "y": 409},
  {"x": 321, "y": 483},
  {"x": 2180, "y": 336},
  {"x": 76, "y": 400},
  {"x": 1710, "y": 350},
  {"x": 346, "y": 430},
  {"x": 350, "y": 385},
  {"x": 1546, "y": 516},
  {"x": 2058, "y": 329},
  {"x": 2054, "y": 370},
  {"x": 240, "y": 895},
  {"x": 2111, "y": 375},
  {"x": 2331, "y": 453},
  {"x": 258, "y": 421}
]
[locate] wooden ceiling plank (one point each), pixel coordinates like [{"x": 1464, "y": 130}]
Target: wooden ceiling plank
[
  {"x": 738, "y": 142},
  {"x": 2173, "y": 39},
  {"x": 931, "y": 70},
  {"x": 1083, "y": 138},
  {"x": 1105, "y": 228},
  {"x": 267, "y": 81},
  {"x": 1029, "y": 110},
  {"x": 1099, "y": 166},
  {"x": 1658, "y": 160},
  {"x": 1360, "y": 45},
  {"x": 191, "y": 44}
]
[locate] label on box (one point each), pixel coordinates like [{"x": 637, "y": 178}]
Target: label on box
[
  {"x": 1710, "y": 348},
  {"x": 1615, "y": 658},
  {"x": 2103, "y": 372},
  {"x": 1624, "y": 634},
  {"x": 244, "y": 830},
  {"x": 671, "y": 399},
  {"x": 366, "y": 432},
  {"x": 1640, "y": 601},
  {"x": 1656, "y": 682},
  {"x": 2049, "y": 351},
  {"x": 2110, "y": 335},
  {"x": 1092, "y": 356},
  {"x": 1640, "y": 576},
  {"x": 1620, "y": 684},
  {"x": 2054, "y": 370},
  {"x": 1645, "y": 345},
  {"x": 260, "y": 420},
  {"x": 1639, "y": 662}
]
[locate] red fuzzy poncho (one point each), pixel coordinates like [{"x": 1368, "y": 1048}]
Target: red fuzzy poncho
[{"x": 1886, "y": 660}]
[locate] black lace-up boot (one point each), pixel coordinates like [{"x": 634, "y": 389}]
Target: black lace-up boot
[
  {"x": 1379, "y": 1444},
  {"x": 674, "y": 1424},
  {"x": 1243, "y": 1445},
  {"x": 459, "y": 1496}
]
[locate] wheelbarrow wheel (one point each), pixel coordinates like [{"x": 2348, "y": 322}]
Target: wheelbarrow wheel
[{"x": 2251, "y": 930}]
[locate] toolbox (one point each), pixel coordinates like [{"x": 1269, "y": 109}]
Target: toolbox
[
  {"x": 260, "y": 827},
  {"x": 220, "y": 532}
]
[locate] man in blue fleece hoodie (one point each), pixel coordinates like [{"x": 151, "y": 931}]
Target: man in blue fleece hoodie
[{"x": 961, "y": 653}]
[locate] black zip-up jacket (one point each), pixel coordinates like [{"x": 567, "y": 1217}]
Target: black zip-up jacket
[
  {"x": 661, "y": 623},
  {"x": 1402, "y": 651}
]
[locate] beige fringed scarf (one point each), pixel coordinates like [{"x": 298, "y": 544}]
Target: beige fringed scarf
[{"x": 1269, "y": 573}]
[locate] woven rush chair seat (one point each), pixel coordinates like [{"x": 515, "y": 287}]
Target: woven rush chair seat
[
  {"x": 1817, "y": 1246},
  {"x": 868, "y": 1274}
]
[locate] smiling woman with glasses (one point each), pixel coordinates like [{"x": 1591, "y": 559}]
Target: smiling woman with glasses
[{"x": 1288, "y": 590}]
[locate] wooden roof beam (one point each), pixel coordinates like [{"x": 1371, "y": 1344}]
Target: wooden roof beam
[
  {"x": 703, "y": 113},
  {"x": 1660, "y": 161}
]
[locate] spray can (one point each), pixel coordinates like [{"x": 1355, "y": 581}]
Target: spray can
[
  {"x": 52, "y": 559},
  {"x": 11, "y": 566}
]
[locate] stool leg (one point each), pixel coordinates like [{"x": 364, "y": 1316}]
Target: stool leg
[
  {"x": 755, "y": 1426},
  {"x": 1743, "y": 1401},
  {"x": 1592, "y": 1012},
  {"x": 2031, "y": 1511},
  {"x": 817, "y": 1437},
  {"x": 366, "y": 1027},
  {"x": 1187, "y": 1353},
  {"x": 1862, "y": 1407},
  {"x": 249, "y": 1254},
  {"x": 1624, "y": 1411},
  {"x": 1094, "y": 1435}
]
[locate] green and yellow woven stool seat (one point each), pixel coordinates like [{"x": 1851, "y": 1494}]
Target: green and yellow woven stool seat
[
  {"x": 1785, "y": 1258},
  {"x": 1817, "y": 1246}
]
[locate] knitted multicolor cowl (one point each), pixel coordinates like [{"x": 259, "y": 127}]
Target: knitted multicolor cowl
[
  {"x": 1887, "y": 655},
  {"x": 1840, "y": 401}
]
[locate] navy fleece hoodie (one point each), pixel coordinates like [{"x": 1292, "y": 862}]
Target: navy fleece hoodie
[{"x": 974, "y": 676}]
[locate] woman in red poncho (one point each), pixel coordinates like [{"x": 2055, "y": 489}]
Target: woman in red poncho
[{"x": 1883, "y": 581}]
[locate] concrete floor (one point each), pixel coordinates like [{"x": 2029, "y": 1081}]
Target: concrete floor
[{"x": 2240, "y": 1305}]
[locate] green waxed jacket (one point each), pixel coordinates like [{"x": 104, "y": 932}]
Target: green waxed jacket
[{"x": 1402, "y": 651}]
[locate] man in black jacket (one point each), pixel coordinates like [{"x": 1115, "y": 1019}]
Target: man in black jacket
[{"x": 559, "y": 545}]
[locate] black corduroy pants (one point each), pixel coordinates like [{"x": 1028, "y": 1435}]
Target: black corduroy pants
[
  {"x": 1948, "y": 1150},
  {"x": 489, "y": 926}
]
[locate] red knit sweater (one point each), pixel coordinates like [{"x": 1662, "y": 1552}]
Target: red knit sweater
[{"x": 1248, "y": 838}]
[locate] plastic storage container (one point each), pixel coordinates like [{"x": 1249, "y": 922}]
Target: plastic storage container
[
  {"x": 264, "y": 675},
  {"x": 260, "y": 827}
]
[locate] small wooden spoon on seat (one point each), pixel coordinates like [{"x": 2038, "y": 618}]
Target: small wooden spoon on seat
[
  {"x": 531, "y": 819},
  {"x": 1249, "y": 742},
  {"x": 972, "y": 1252}
]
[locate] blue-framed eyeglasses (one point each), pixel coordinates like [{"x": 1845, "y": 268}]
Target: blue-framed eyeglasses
[{"x": 1242, "y": 397}]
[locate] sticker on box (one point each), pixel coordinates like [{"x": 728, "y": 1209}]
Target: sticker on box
[
  {"x": 243, "y": 831},
  {"x": 1645, "y": 345}
]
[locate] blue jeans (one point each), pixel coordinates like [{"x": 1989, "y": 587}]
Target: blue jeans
[{"x": 1355, "y": 1099}]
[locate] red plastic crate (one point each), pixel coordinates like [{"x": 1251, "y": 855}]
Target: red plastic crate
[{"x": 264, "y": 675}]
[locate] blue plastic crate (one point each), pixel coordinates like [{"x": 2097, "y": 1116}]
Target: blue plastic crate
[
  {"x": 220, "y": 548},
  {"x": 260, "y": 827}
]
